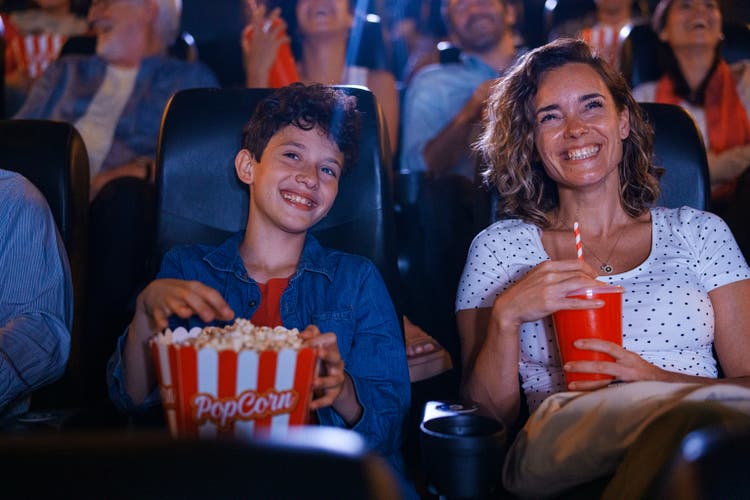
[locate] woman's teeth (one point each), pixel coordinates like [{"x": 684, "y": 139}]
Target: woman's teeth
[{"x": 582, "y": 153}]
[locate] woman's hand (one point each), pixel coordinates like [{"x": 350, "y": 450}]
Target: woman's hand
[
  {"x": 627, "y": 366},
  {"x": 164, "y": 297},
  {"x": 260, "y": 42},
  {"x": 332, "y": 386},
  {"x": 544, "y": 290}
]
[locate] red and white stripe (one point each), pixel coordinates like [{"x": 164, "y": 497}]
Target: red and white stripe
[
  {"x": 222, "y": 377},
  {"x": 605, "y": 40},
  {"x": 40, "y": 50}
]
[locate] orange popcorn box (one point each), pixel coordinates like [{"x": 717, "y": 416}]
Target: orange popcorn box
[{"x": 209, "y": 393}]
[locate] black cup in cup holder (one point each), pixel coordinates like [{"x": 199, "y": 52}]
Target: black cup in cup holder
[{"x": 462, "y": 454}]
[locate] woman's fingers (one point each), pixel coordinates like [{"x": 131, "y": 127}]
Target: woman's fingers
[
  {"x": 599, "y": 345},
  {"x": 546, "y": 289},
  {"x": 626, "y": 367}
]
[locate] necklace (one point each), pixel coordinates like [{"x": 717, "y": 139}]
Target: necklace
[{"x": 605, "y": 266}]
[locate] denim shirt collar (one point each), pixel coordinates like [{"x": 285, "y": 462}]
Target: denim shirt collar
[
  {"x": 476, "y": 64},
  {"x": 226, "y": 257}
]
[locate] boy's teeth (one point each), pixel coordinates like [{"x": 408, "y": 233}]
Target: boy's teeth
[
  {"x": 298, "y": 199},
  {"x": 583, "y": 153}
]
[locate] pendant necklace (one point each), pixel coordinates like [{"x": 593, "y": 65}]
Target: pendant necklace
[{"x": 605, "y": 266}]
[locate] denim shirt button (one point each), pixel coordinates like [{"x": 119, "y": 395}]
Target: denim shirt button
[{"x": 252, "y": 303}]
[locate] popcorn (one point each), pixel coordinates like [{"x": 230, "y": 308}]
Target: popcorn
[
  {"x": 239, "y": 380},
  {"x": 238, "y": 336}
]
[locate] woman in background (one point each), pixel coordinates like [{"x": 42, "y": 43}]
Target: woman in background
[
  {"x": 715, "y": 93},
  {"x": 323, "y": 28}
]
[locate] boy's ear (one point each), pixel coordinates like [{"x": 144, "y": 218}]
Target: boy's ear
[{"x": 244, "y": 164}]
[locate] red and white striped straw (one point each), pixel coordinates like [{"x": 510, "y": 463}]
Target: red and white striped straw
[{"x": 579, "y": 245}]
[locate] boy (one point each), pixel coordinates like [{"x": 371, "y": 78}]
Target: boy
[{"x": 295, "y": 147}]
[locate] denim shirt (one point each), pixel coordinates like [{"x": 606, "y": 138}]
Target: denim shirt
[
  {"x": 338, "y": 292},
  {"x": 434, "y": 97},
  {"x": 68, "y": 85}
]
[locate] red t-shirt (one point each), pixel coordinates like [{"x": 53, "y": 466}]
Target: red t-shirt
[{"x": 269, "y": 310}]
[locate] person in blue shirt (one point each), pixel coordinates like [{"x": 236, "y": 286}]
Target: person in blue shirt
[
  {"x": 296, "y": 146},
  {"x": 443, "y": 103},
  {"x": 36, "y": 296}
]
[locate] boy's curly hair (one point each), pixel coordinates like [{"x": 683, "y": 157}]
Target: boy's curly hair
[{"x": 306, "y": 107}]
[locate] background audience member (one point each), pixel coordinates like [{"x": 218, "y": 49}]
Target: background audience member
[
  {"x": 715, "y": 93},
  {"x": 115, "y": 99},
  {"x": 36, "y": 299},
  {"x": 444, "y": 102},
  {"x": 322, "y": 28},
  {"x": 603, "y": 28},
  {"x": 442, "y": 108},
  {"x": 414, "y": 29},
  {"x": 33, "y": 39},
  {"x": 566, "y": 142}
]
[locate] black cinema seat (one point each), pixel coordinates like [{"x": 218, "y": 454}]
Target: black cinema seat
[{"x": 200, "y": 199}]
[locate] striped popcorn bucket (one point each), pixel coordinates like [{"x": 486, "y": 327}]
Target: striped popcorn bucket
[
  {"x": 211, "y": 393},
  {"x": 40, "y": 50}
]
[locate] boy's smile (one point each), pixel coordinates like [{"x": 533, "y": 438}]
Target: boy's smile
[
  {"x": 295, "y": 182},
  {"x": 298, "y": 200}
]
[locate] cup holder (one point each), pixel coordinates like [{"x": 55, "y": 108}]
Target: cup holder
[{"x": 462, "y": 454}]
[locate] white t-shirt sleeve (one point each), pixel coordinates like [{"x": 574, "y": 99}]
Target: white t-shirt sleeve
[
  {"x": 719, "y": 260},
  {"x": 498, "y": 257}
]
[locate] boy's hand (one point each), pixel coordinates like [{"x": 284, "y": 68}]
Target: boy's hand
[
  {"x": 329, "y": 382},
  {"x": 164, "y": 297}
]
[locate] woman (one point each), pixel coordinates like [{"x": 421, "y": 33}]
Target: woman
[
  {"x": 323, "y": 28},
  {"x": 715, "y": 93},
  {"x": 565, "y": 141}
]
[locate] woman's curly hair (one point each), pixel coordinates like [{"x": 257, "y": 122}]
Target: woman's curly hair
[{"x": 507, "y": 146}]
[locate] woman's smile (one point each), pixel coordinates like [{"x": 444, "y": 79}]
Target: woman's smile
[{"x": 583, "y": 153}]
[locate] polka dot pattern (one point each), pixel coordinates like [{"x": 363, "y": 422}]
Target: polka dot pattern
[{"x": 668, "y": 318}]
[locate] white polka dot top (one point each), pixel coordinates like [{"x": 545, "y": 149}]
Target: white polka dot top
[{"x": 667, "y": 315}]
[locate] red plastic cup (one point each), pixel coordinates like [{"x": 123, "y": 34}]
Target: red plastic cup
[
  {"x": 284, "y": 70},
  {"x": 604, "y": 323}
]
